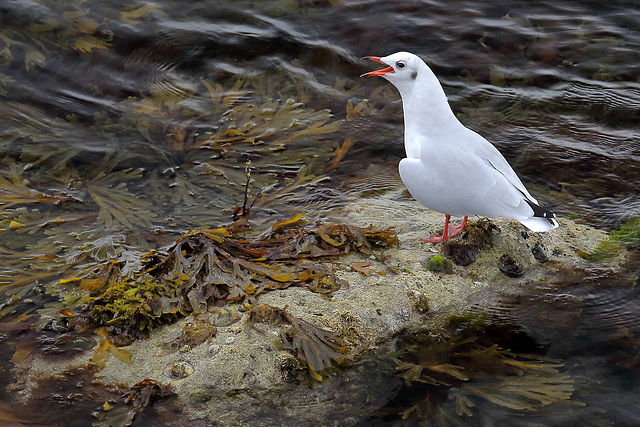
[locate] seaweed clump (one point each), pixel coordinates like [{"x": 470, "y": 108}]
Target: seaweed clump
[
  {"x": 475, "y": 237},
  {"x": 451, "y": 381},
  {"x": 314, "y": 347},
  {"x": 214, "y": 267},
  {"x": 129, "y": 306}
]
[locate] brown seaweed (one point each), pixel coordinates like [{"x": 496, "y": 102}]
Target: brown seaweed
[
  {"x": 206, "y": 268},
  {"x": 471, "y": 367},
  {"x": 315, "y": 347},
  {"x": 135, "y": 400}
]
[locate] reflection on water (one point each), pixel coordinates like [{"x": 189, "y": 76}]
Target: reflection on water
[{"x": 123, "y": 124}]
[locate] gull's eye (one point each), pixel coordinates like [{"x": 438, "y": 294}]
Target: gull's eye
[{"x": 400, "y": 64}]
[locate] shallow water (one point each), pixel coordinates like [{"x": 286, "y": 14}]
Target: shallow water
[{"x": 116, "y": 130}]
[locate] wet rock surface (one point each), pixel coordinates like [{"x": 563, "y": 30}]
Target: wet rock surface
[{"x": 218, "y": 363}]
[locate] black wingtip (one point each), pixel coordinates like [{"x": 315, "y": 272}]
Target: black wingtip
[{"x": 540, "y": 212}]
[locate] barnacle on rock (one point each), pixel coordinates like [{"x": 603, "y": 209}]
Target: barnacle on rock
[
  {"x": 510, "y": 266},
  {"x": 194, "y": 332},
  {"x": 539, "y": 253},
  {"x": 290, "y": 367},
  {"x": 419, "y": 301},
  {"x": 178, "y": 369}
]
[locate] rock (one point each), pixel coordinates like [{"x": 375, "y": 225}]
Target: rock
[{"x": 368, "y": 313}]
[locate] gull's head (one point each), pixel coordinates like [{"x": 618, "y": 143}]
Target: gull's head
[
  {"x": 403, "y": 68},
  {"x": 422, "y": 94}
]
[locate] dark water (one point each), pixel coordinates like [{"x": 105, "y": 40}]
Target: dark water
[{"x": 127, "y": 123}]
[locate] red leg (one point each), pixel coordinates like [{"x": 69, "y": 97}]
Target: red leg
[
  {"x": 435, "y": 239},
  {"x": 456, "y": 229}
]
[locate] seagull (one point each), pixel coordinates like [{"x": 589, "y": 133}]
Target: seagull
[{"x": 449, "y": 168}]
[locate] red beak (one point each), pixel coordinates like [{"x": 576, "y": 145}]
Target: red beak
[{"x": 382, "y": 72}]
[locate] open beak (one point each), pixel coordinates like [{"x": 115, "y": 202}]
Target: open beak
[{"x": 382, "y": 72}]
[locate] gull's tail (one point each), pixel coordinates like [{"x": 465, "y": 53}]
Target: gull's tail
[{"x": 541, "y": 220}]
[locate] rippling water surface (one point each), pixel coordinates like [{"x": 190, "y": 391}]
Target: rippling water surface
[{"x": 127, "y": 123}]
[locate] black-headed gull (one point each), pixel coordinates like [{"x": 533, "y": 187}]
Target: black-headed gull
[{"x": 449, "y": 168}]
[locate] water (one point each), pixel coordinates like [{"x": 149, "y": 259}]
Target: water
[{"x": 113, "y": 131}]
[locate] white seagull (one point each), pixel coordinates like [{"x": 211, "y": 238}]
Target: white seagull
[{"x": 450, "y": 168}]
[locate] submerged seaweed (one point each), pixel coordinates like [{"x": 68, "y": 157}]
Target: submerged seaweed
[
  {"x": 85, "y": 196},
  {"x": 133, "y": 401},
  {"x": 446, "y": 379}
]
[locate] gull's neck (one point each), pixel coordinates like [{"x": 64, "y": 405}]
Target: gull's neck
[{"x": 427, "y": 114}]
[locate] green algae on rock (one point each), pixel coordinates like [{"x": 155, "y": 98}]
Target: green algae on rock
[
  {"x": 625, "y": 237},
  {"x": 439, "y": 264}
]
